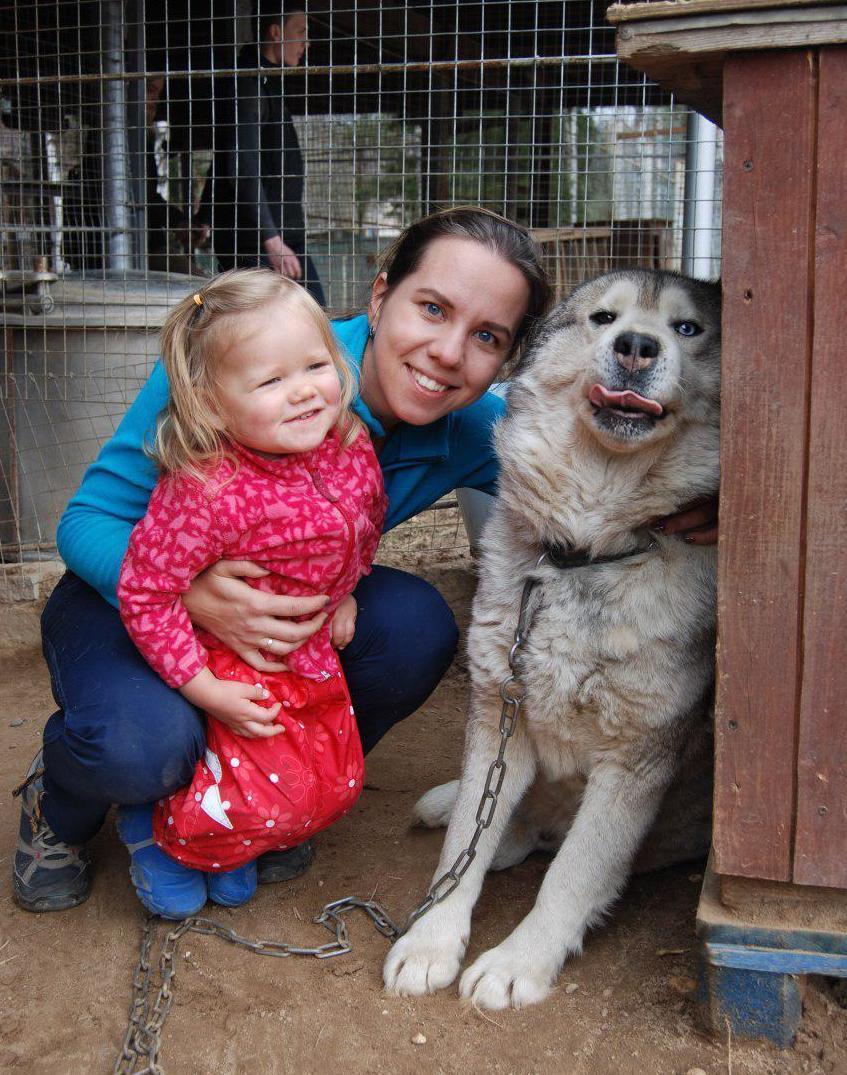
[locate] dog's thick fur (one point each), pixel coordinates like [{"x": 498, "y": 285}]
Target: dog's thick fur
[{"x": 613, "y": 741}]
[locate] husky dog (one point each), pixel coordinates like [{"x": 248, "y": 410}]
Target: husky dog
[{"x": 613, "y": 421}]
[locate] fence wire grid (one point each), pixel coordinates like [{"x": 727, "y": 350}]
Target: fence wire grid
[{"x": 146, "y": 145}]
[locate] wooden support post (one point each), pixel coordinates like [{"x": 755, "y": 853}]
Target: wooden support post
[
  {"x": 821, "y": 828},
  {"x": 781, "y": 742},
  {"x": 776, "y": 70},
  {"x": 759, "y": 941},
  {"x": 767, "y": 331}
]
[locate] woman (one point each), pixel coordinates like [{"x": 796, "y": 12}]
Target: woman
[{"x": 456, "y": 295}]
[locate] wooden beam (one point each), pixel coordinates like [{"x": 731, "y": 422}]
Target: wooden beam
[
  {"x": 767, "y": 331},
  {"x": 821, "y": 838},
  {"x": 734, "y": 31},
  {"x": 683, "y": 45},
  {"x": 667, "y": 9},
  {"x": 767, "y": 902}
]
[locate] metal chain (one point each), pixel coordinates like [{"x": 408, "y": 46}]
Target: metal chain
[
  {"x": 147, "y": 1013},
  {"x": 512, "y": 692}
]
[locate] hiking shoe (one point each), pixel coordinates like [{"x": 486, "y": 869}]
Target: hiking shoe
[
  {"x": 164, "y": 886},
  {"x": 277, "y": 866},
  {"x": 47, "y": 874},
  {"x": 231, "y": 888}
]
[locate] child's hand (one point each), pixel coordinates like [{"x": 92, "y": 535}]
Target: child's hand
[
  {"x": 343, "y": 625},
  {"x": 234, "y": 704}
]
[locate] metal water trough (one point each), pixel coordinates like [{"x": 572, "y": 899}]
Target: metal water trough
[{"x": 71, "y": 373}]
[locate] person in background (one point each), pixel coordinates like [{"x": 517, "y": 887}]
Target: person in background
[{"x": 254, "y": 200}]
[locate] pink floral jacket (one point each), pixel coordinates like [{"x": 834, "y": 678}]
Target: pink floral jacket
[{"x": 313, "y": 520}]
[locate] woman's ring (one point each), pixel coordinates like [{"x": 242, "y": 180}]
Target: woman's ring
[{"x": 269, "y": 643}]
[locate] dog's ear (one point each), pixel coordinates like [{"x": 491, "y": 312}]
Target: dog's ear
[
  {"x": 558, "y": 318},
  {"x": 528, "y": 345}
]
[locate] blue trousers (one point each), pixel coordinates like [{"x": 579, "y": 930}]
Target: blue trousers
[{"x": 121, "y": 735}]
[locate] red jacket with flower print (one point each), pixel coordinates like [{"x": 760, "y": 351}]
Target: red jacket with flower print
[{"x": 312, "y": 519}]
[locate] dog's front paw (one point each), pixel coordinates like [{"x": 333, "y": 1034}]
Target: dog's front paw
[
  {"x": 505, "y": 978},
  {"x": 424, "y": 960}
]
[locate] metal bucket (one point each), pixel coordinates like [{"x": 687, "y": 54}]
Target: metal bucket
[{"x": 70, "y": 375}]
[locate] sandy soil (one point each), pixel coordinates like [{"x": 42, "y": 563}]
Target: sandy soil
[{"x": 626, "y": 1005}]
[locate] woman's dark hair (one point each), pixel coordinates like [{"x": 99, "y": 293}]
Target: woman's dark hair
[{"x": 511, "y": 241}]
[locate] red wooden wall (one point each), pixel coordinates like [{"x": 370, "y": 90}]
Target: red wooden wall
[
  {"x": 781, "y": 722},
  {"x": 820, "y": 849}
]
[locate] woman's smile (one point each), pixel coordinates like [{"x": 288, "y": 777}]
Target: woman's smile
[{"x": 429, "y": 384}]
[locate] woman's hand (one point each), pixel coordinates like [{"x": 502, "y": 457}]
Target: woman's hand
[
  {"x": 247, "y": 620},
  {"x": 234, "y": 704},
  {"x": 697, "y": 523},
  {"x": 343, "y": 625}
]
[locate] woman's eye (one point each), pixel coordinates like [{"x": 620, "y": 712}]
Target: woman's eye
[
  {"x": 433, "y": 309},
  {"x": 602, "y": 317},
  {"x": 484, "y": 336},
  {"x": 688, "y": 328}
]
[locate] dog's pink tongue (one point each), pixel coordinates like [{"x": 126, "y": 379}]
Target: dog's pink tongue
[{"x": 601, "y": 396}]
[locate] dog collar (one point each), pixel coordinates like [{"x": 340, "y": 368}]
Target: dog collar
[{"x": 566, "y": 558}]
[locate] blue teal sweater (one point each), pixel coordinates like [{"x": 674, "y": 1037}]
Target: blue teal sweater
[{"x": 419, "y": 465}]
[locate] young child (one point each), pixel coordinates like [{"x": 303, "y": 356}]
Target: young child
[{"x": 261, "y": 460}]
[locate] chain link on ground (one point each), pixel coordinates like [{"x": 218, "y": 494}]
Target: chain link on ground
[{"x": 147, "y": 1013}]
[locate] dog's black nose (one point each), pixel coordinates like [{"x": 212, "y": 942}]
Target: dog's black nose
[{"x": 635, "y": 352}]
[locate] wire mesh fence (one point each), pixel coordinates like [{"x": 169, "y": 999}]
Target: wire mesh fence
[{"x": 144, "y": 145}]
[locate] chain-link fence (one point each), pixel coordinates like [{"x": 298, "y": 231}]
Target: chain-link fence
[{"x": 143, "y": 145}]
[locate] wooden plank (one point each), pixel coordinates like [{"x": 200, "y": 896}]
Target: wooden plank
[
  {"x": 739, "y": 32},
  {"x": 672, "y": 9},
  {"x": 685, "y": 53},
  {"x": 549, "y": 235},
  {"x": 697, "y": 83},
  {"x": 774, "y": 903},
  {"x": 767, "y": 232},
  {"x": 820, "y": 856}
]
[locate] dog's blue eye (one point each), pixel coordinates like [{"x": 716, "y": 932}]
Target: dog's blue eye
[
  {"x": 602, "y": 317},
  {"x": 688, "y": 328}
]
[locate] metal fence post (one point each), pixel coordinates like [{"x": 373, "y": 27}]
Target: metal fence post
[
  {"x": 116, "y": 191},
  {"x": 698, "y": 221}
]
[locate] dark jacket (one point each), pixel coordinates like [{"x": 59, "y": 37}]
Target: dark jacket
[{"x": 257, "y": 187}]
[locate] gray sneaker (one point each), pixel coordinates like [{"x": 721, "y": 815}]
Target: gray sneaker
[
  {"x": 47, "y": 874},
  {"x": 275, "y": 866}
]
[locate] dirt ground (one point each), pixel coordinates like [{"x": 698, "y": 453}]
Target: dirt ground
[{"x": 626, "y": 1005}]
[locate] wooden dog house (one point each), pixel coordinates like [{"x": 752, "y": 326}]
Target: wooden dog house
[{"x": 773, "y": 74}]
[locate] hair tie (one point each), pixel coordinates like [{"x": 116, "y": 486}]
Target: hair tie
[{"x": 198, "y": 298}]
